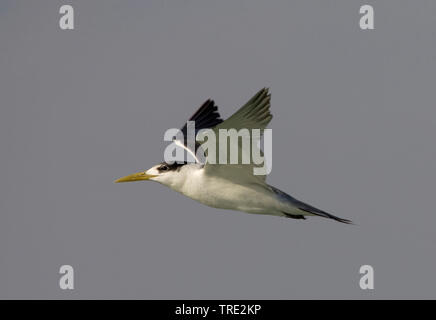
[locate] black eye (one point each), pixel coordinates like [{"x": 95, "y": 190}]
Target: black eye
[{"x": 163, "y": 168}]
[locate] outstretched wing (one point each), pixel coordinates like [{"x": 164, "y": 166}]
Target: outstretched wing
[
  {"x": 255, "y": 114},
  {"x": 207, "y": 116}
]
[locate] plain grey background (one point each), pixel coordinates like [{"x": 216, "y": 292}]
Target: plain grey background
[{"x": 353, "y": 133}]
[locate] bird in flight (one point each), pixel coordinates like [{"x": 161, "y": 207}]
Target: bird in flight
[{"x": 229, "y": 186}]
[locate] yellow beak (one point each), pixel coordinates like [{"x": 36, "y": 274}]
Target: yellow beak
[{"x": 135, "y": 177}]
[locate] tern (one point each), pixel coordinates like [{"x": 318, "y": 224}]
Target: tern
[{"x": 230, "y": 186}]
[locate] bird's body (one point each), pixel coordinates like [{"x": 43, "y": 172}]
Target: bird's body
[
  {"x": 218, "y": 192},
  {"x": 230, "y": 186},
  {"x": 228, "y": 192}
]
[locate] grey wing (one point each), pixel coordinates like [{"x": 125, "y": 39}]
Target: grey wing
[
  {"x": 305, "y": 207},
  {"x": 255, "y": 114}
]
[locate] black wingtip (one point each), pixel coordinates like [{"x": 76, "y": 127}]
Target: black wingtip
[
  {"x": 326, "y": 215},
  {"x": 346, "y": 221},
  {"x": 330, "y": 216},
  {"x": 207, "y": 116}
]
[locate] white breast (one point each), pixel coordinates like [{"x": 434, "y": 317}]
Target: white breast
[{"x": 225, "y": 194}]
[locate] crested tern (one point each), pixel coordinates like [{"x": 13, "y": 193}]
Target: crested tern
[{"x": 230, "y": 186}]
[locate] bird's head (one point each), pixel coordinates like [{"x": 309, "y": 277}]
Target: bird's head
[{"x": 165, "y": 173}]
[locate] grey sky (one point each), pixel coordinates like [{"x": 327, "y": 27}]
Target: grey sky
[{"x": 353, "y": 133}]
